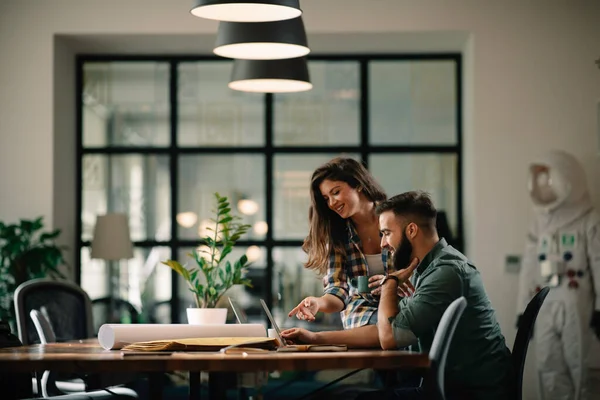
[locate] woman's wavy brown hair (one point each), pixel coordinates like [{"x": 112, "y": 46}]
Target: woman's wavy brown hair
[{"x": 327, "y": 229}]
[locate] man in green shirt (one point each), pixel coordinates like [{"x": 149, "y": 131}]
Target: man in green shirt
[{"x": 478, "y": 364}]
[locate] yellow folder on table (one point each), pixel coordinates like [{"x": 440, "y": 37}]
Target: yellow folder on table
[{"x": 203, "y": 344}]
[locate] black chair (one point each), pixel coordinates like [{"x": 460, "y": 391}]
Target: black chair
[
  {"x": 68, "y": 309},
  {"x": 438, "y": 353},
  {"x": 519, "y": 352},
  {"x": 160, "y": 311},
  {"x": 433, "y": 383},
  {"x": 73, "y": 389},
  {"x": 101, "y": 308},
  {"x": 67, "y": 305}
]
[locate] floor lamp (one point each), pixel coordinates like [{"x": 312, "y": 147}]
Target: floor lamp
[{"x": 112, "y": 243}]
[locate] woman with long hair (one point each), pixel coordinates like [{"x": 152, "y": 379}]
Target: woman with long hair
[{"x": 343, "y": 242}]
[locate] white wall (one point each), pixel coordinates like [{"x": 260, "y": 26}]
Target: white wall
[{"x": 531, "y": 85}]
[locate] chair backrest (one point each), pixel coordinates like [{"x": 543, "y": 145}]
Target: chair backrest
[
  {"x": 160, "y": 311},
  {"x": 526, "y": 323},
  {"x": 440, "y": 346},
  {"x": 67, "y": 305},
  {"x": 101, "y": 308},
  {"x": 43, "y": 327}
]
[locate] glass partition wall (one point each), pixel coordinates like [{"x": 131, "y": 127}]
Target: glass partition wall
[{"x": 157, "y": 136}]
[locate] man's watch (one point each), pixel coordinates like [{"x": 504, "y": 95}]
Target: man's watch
[{"x": 389, "y": 277}]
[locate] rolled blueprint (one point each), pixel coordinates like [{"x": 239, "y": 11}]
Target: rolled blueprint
[{"x": 116, "y": 336}]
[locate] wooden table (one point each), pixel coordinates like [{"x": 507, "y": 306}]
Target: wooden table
[{"x": 88, "y": 356}]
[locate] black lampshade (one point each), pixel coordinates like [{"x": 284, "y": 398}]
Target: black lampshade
[
  {"x": 247, "y": 10},
  {"x": 262, "y": 40},
  {"x": 271, "y": 76}
]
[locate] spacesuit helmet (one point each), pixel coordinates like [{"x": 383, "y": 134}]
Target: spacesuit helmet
[{"x": 556, "y": 179}]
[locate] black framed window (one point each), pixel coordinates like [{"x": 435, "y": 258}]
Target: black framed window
[{"x": 158, "y": 135}]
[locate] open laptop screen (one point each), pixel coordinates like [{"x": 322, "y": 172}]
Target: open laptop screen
[
  {"x": 275, "y": 326},
  {"x": 240, "y": 315}
]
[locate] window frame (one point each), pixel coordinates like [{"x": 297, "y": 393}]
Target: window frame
[{"x": 269, "y": 150}]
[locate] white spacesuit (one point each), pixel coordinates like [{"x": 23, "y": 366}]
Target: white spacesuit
[{"x": 563, "y": 252}]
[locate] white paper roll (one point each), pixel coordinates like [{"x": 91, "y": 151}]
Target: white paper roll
[{"x": 115, "y": 336}]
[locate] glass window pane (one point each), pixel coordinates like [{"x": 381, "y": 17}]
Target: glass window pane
[
  {"x": 247, "y": 298},
  {"x": 292, "y": 282},
  {"x": 126, "y": 104},
  {"x": 292, "y": 192},
  {"x": 211, "y": 114},
  {"x": 143, "y": 282},
  {"x": 328, "y": 114},
  {"x": 239, "y": 177},
  {"x": 433, "y": 173},
  {"x": 412, "y": 102},
  {"x": 134, "y": 184}
]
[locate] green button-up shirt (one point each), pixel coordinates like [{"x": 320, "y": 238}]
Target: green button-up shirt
[{"x": 478, "y": 360}]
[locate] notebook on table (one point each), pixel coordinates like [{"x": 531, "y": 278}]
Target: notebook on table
[
  {"x": 285, "y": 347},
  {"x": 203, "y": 344}
]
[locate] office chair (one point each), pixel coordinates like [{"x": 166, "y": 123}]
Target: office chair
[
  {"x": 434, "y": 383},
  {"x": 67, "y": 307},
  {"x": 519, "y": 352},
  {"x": 68, "y": 311},
  {"x": 73, "y": 389}
]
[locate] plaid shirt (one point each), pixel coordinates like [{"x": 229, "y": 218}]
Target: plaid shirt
[{"x": 358, "y": 308}]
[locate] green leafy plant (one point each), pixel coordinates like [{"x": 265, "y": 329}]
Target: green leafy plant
[
  {"x": 26, "y": 252},
  {"x": 213, "y": 275}
]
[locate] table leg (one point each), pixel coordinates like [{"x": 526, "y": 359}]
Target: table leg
[
  {"x": 194, "y": 385},
  {"x": 217, "y": 384},
  {"x": 155, "y": 386},
  {"x": 38, "y": 382}
]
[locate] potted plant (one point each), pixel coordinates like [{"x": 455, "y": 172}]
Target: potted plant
[
  {"x": 26, "y": 252},
  {"x": 212, "y": 275}
]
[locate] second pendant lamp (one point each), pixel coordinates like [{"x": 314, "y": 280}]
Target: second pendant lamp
[{"x": 262, "y": 40}]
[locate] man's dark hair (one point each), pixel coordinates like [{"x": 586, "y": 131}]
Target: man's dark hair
[{"x": 415, "y": 206}]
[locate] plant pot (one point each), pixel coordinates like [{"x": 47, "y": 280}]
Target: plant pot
[{"x": 206, "y": 316}]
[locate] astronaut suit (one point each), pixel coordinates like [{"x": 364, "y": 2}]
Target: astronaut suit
[{"x": 563, "y": 252}]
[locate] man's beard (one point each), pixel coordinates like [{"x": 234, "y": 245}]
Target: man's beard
[{"x": 402, "y": 256}]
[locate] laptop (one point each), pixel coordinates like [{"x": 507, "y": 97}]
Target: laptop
[
  {"x": 284, "y": 346},
  {"x": 275, "y": 326},
  {"x": 239, "y": 313}
]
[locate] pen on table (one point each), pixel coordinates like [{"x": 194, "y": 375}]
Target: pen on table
[{"x": 145, "y": 353}]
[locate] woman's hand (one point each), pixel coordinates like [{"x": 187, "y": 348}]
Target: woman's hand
[
  {"x": 374, "y": 281},
  {"x": 374, "y": 284},
  {"x": 299, "y": 336},
  {"x": 307, "y": 309}
]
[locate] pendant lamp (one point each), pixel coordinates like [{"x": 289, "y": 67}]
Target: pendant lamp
[
  {"x": 262, "y": 40},
  {"x": 247, "y": 10},
  {"x": 270, "y": 76}
]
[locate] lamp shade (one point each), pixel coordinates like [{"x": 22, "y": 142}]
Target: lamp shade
[
  {"x": 270, "y": 76},
  {"x": 247, "y": 10},
  {"x": 111, "y": 238},
  {"x": 262, "y": 40}
]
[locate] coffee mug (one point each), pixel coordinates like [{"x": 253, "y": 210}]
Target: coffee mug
[{"x": 361, "y": 283}]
